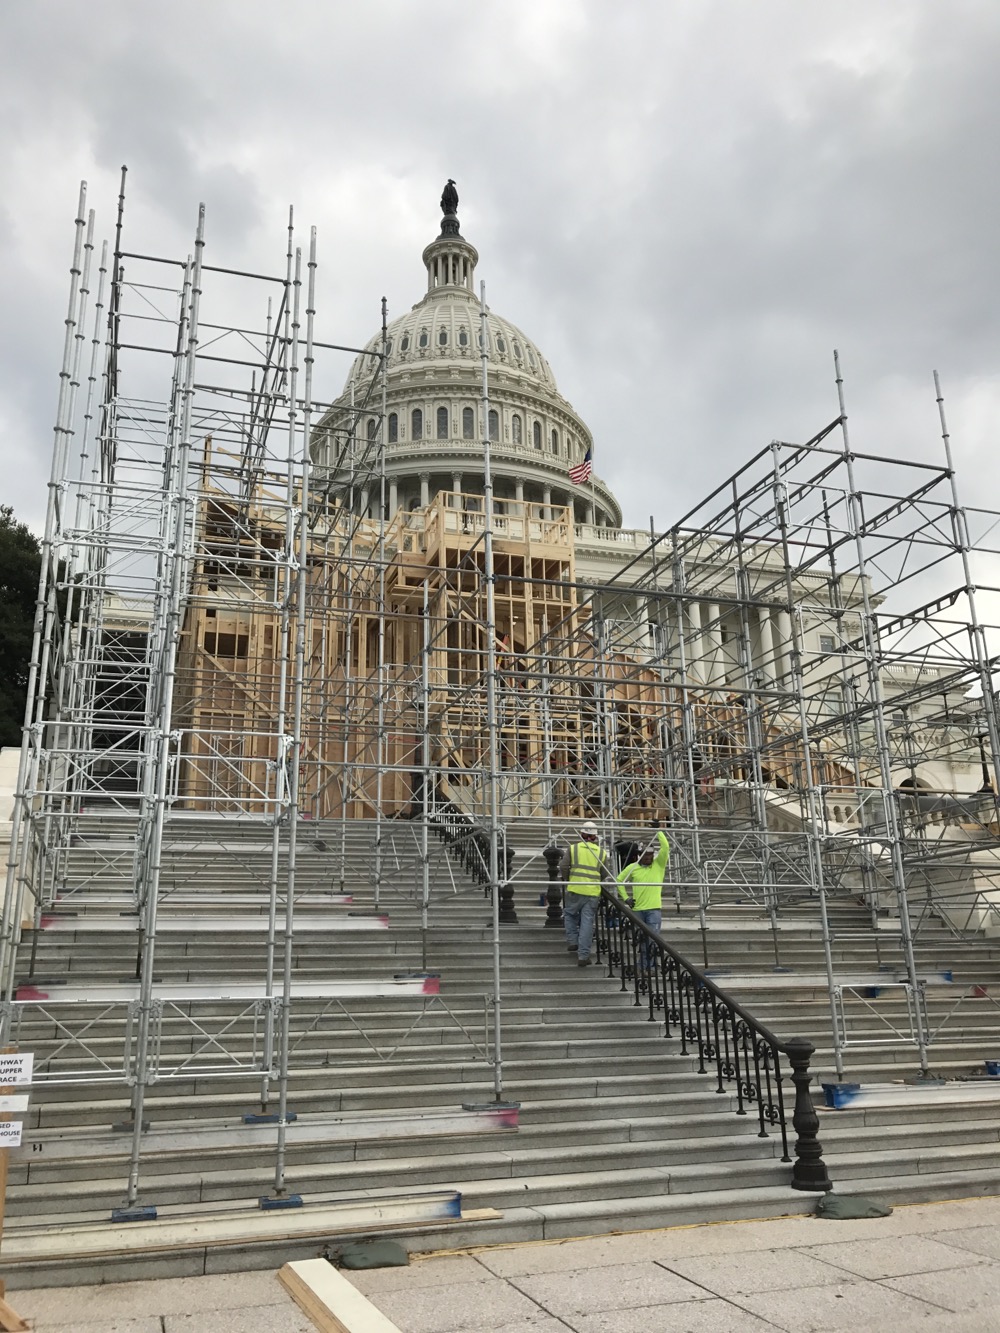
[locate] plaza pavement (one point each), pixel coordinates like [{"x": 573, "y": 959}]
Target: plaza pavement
[{"x": 928, "y": 1267}]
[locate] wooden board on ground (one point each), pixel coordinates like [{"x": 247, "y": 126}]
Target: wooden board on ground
[{"x": 332, "y": 1303}]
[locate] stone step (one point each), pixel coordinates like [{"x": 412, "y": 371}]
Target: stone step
[{"x": 510, "y": 1169}]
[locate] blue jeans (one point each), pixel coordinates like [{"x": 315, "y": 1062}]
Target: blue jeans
[
  {"x": 579, "y": 915},
  {"x": 651, "y": 917}
]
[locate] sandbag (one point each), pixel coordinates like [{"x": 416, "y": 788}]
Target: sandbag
[
  {"x": 371, "y": 1254},
  {"x": 841, "y": 1207}
]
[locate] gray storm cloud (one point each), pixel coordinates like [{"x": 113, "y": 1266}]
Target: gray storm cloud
[{"x": 687, "y": 207}]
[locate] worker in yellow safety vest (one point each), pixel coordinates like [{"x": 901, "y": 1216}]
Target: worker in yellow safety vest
[{"x": 585, "y": 867}]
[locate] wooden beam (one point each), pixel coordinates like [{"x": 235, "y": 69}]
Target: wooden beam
[{"x": 332, "y": 1302}]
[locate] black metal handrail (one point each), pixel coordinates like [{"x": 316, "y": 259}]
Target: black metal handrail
[
  {"x": 711, "y": 1024},
  {"x": 469, "y": 842}
]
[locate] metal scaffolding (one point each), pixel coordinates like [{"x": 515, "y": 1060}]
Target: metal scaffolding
[{"x": 796, "y": 677}]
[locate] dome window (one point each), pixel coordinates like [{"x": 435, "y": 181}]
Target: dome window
[
  {"x": 501, "y": 345},
  {"x": 404, "y": 345},
  {"x": 388, "y": 347},
  {"x": 494, "y": 423},
  {"x": 487, "y": 341},
  {"x": 468, "y": 424},
  {"x": 442, "y": 423},
  {"x": 536, "y": 434},
  {"x": 393, "y": 427},
  {"x": 442, "y": 337},
  {"x": 531, "y": 358},
  {"x": 515, "y": 429},
  {"x": 555, "y": 441},
  {"x": 463, "y": 338},
  {"x": 423, "y": 339},
  {"x": 517, "y": 348},
  {"x": 416, "y": 424}
]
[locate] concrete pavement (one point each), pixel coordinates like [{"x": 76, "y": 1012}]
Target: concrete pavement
[{"x": 928, "y": 1267}]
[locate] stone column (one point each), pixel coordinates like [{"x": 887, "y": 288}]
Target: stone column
[
  {"x": 547, "y": 501},
  {"x": 393, "y": 498},
  {"x": 783, "y": 647},
  {"x": 590, "y": 515},
  {"x": 364, "y": 501},
  {"x": 695, "y": 647},
  {"x": 766, "y": 660},
  {"x": 716, "y": 667},
  {"x": 425, "y": 489},
  {"x": 456, "y": 486}
]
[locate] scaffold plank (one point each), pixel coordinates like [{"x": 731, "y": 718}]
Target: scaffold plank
[
  {"x": 234, "y": 923},
  {"x": 183, "y": 992}
]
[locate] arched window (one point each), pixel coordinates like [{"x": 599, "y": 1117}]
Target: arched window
[
  {"x": 442, "y": 337},
  {"x": 422, "y": 340},
  {"x": 416, "y": 424},
  {"x": 468, "y": 424},
  {"x": 517, "y": 348},
  {"x": 501, "y": 345},
  {"x": 442, "y": 423},
  {"x": 536, "y": 434},
  {"x": 494, "y": 424},
  {"x": 515, "y": 428},
  {"x": 463, "y": 338},
  {"x": 531, "y": 358},
  {"x": 372, "y": 427},
  {"x": 555, "y": 441},
  {"x": 393, "y": 428},
  {"x": 404, "y": 346}
]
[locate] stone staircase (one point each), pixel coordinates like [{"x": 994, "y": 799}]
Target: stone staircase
[{"x": 617, "y": 1129}]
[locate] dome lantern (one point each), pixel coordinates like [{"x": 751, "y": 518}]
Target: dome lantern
[{"x": 450, "y": 259}]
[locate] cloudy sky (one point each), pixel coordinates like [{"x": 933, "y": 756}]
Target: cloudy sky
[{"x": 686, "y": 203}]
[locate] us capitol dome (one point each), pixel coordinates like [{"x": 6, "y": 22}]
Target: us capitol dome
[{"x": 433, "y": 406}]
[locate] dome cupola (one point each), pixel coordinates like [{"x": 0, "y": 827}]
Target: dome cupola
[{"x": 434, "y": 426}]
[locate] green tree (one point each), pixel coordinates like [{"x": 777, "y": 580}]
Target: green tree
[{"x": 19, "y": 565}]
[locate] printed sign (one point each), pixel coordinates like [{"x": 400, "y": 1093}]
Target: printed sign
[
  {"x": 10, "y": 1133},
  {"x": 16, "y": 1102},
  {"x": 16, "y": 1068}
]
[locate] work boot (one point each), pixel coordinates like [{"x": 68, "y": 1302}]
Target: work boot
[
  {"x": 571, "y": 948},
  {"x": 583, "y": 962}
]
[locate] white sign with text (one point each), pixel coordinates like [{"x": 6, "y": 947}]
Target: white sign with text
[
  {"x": 16, "y": 1068},
  {"x": 10, "y": 1133}
]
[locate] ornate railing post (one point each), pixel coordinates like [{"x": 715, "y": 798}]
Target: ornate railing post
[
  {"x": 809, "y": 1171},
  {"x": 508, "y": 916},
  {"x": 553, "y": 892}
]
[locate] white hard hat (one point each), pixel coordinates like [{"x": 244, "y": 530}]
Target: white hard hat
[{"x": 589, "y": 827}]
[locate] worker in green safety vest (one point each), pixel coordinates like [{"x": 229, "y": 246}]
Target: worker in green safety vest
[
  {"x": 641, "y": 885},
  {"x": 585, "y": 867}
]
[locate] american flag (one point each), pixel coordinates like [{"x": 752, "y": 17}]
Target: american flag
[{"x": 582, "y": 470}]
